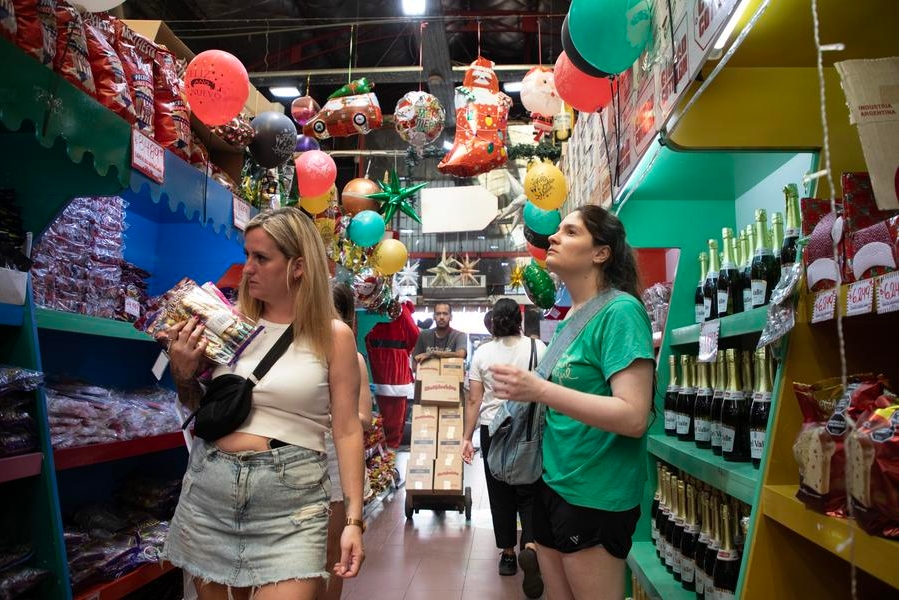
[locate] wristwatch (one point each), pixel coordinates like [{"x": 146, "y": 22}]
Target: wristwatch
[{"x": 357, "y": 522}]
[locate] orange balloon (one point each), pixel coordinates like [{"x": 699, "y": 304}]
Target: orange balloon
[{"x": 353, "y": 197}]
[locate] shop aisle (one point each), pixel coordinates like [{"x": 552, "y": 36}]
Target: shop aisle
[{"x": 433, "y": 556}]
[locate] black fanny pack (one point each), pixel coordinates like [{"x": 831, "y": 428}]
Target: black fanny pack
[{"x": 226, "y": 403}]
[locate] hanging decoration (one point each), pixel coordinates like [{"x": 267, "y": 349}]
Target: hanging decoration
[
  {"x": 302, "y": 109},
  {"x": 316, "y": 172},
  {"x": 539, "y": 286},
  {"x": 612, "y": 34},
  {"x": 545, "y": 185},
  {"x": 581, "y": 91},
  {"x": 352, "y": 109},
  {"x": 394, "y": 197},
  {"x": 389, "y": 256},
  {"x": 540, "y": 99},
  {"x": 419, "y": 119},
  {"x": 217, "y": 86},
  {"x": 445, "y": 272},
  {"x": 275, "y": 138},
  {"x": 355, "y": 198},
  {"x": 306, "y": 143},
  {"x": 407, "y": 276},
  {"x": 516, "y": 276},
  {"x": 467, "y": 271},
  {"x": 514, "y": 207}
]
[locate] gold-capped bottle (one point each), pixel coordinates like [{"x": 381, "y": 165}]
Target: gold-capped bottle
[
  {"x": 718, "y": 402},
  {"x": 677, "y": 537},
  {"x": 654, "y": 510},
  {"x": 791, "y": 235},
  {"x": 710, "y": 287},
  {"x": 747, "y": 245},
  {"x": 702, "y": 408},
  {"x": 734, "y": 415},
  {"x": 688, "y": 542},
  {"x": 760, "y": 409},
  {"x": 711, "y": 553},
  {"x": 727, "y": 564},
  {"x": 702, "y": 545},
  {"x": 777, "y": 235},
  {"x": 730, "y": 282},
  {"x": 765, "y": 270},
  {"x": 671, "y": 397},
  {"x": 699, "y": 297},
  {"x": 686, "y": 398}
]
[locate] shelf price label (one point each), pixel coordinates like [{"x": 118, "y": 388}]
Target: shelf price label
[
  {"x": 147, "y": 156},
  {"x": 825, "y": 305},
  {"x": 708, "y": 340},
  {"x": 860, "y": 297},
  {"x": 241, "y": 212},
  {"x": 888, "y": 293}
]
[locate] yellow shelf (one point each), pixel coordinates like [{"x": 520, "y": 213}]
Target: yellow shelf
[
  {"x": 842, "y": 537},
  {"x": 844, "y": 304}
]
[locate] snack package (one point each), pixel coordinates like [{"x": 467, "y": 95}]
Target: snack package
[
  {"x": 106, "y": 67},
  {"x": 872, "y": 468},
  {"x": 227, "y": 330},
  {"x": 137, "y": 54},
  {"x": 36, "y": 28},
  {"x": 72, "y": 61},
  {"x": 171, "y": 115}
]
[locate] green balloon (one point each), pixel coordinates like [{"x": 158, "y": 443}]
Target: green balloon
[
  {"x": 539, "y": 286},
  {"x": 610, "y": 34},
  {"x": 545, "y": 222}
]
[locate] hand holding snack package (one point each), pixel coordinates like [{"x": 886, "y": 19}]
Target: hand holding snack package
[{"x": 227, "y": 331}]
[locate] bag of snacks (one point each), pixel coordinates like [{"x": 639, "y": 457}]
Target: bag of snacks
[
  {"x": 72, "y": 60},
  {"x": 171, "y": 123},
  {"x": 137, "y": 54},
  {"x": 106, "y": 67},
  {"x": 36, "y": 28}
]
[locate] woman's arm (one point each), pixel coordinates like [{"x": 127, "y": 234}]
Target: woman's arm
[
  {"x": 472, "y": 412},
  {"x": 364, "y": 394}
]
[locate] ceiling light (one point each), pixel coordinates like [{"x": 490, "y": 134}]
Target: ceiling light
[
  {"x": 414, "y": 7},
  {"x": 512, "y": 87},
  {"x": 729, "y": 28},
  {"x": 287, "y": 91}
]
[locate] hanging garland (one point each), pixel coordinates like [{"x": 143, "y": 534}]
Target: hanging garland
[{"x": 543, "y": 151}]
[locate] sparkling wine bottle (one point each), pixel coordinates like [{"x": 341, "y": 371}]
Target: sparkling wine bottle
[
  {"x": 688, "y": 542},
  {"x": 671, "y": 397},
  {"x": 699, "y": 298},
  {"x": 761, "y": 408},
  {"x": 777, "y": 236},
  {"x": 686, "y": 398},
  {"x": 669, "y": 526},
  {"x": 662, "y": 516},
  {"x": 765, "y": 270},
  {"x": 734, "y": 414},
  {"x": 677, "y": 537},
  {"x": 654, "y": 510},
  {"x": 791, "y": 235},
  {"x": 747, "y": 245},
  {"x": 730, "y": 282},
  {"x": 718, "y": 402},
  {"x": 702, "y": 545},
  {"x": 711, "y": 553},
  {"x": 710, "y": 287},
  {"x": 702, "y": 408},
  {"x": 727, "y": 563}
]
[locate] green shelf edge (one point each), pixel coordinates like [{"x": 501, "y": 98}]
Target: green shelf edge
[
  {"x": 752, "y": 321},
  {"x": 655, "y": 578},
  {"x": 75, "y": 323},
  {"x": 737, "y": 479}
]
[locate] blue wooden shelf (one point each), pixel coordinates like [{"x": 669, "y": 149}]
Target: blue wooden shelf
[
  {"x": 752, "y": 321},
  {"x": 84, "y": 324}
]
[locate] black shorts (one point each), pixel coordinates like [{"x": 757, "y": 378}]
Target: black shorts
[{"x": 569, "y": 528}]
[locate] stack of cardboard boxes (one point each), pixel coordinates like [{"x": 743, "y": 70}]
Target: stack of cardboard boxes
[{"x": 435, "y": 462}]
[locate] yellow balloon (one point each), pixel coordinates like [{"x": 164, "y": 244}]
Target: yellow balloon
[
  {"x": 318, "y": 204},
  {"x": 545, "y": 186},
  {"x": 389, "y": 256}
]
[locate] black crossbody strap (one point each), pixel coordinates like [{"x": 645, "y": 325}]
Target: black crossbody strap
[{"x": 272, "y": 356}]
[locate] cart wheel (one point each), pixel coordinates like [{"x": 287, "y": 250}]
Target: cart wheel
[
  {"x": 397, "y": 482},
  {"x": 408, "y": 506},
  {"x": 468, "y": 504}
]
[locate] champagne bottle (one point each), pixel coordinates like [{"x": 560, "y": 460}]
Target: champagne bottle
[
  {"x": 686, "y": 398},
  {"x": 746, "y": 359},
  {"x": 736, "y": 508},
  {"x": 669, "y": 526},
  {"x": 777, "y": 236},
  {"x": 727, "y": 563},
  {"x": 746, "y": 267},
  {"x": 662, "y": 516},
  {"x": 688, "y": 542},
  {"x": 765, "y": 271},
  {"x": 671, "y": 395},
  {"x": 710, "y": 287},
  {"x": 718, "y": 402},
  {"x": 699, "y": 299},
  {"x": 702, "y": 545},
  {"x": 791, "y": 235},
  {"x": 654, "y": 510},
  {"x": 702, "y": 408},
  {"x": 677, "y": 537},
  {"x": 760, "y": 409},
  {"x": 711, "y": 553},
  {"x": 734, "y": 414},
  {"x": 730, "y": 289}
]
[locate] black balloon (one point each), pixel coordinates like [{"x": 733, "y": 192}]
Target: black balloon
[
  {"x": 275, "y": 139},
  {"x": 537, "y": 239},
  {"x": 575, "y": 57}
]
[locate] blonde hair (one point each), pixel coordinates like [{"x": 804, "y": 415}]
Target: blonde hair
[{"x": 297, "y": 238}]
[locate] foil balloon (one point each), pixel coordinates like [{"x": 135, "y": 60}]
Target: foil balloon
[
  {"x": 302, "y": 109},
  {"x": 367, "y": 286},
  {"x": 354, "y": 194},
  {"x": 539, "y": 286},
  {"x": 540, "y": 99},
  {"x": 419, "y": 118},
  {"x": 306, "y": 143}
]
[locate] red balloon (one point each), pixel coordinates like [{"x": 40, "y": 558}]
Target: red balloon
[
  {"x": 217, "y": 86},
  {"x": 581, "y": 91},
  {"x": 538, "y": 253},
  {"x": 316, "y": 173}
]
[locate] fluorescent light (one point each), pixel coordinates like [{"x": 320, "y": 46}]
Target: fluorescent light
[
  {"x": 512, "y": 86},
  {"x": 287, "y": 91},
  {"x": 414, "y": 7},
  {"x": 729, "y": 28}
]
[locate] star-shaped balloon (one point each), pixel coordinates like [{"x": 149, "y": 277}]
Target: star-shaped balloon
[
  {"x": 516, "y": 206},
  {"x": 393, "y": 197},
  {"x": 516, "y": 276},
  {"x": 467, "y": 271},
  {"x": 444, "y": 273},
  {"x": 408, "y": 275}
]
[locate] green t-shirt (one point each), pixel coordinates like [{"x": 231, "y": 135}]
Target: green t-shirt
[{"x": 585, "y": 465}]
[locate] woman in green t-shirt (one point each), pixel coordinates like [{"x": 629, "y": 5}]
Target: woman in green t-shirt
[{"x": 598, "y": 398}]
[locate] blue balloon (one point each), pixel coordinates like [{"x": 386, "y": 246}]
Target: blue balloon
[
  {"x": 366, "y": 229},
  {"x": 610, "y": 34},
  {"x": 545, "y": 222}
]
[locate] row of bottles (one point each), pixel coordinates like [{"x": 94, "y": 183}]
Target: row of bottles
[
  {"x": 743, "y": 276},
  {"x": 722, "y": 406},
  {"x": 698, "y": 534}
]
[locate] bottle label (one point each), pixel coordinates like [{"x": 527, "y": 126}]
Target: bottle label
[
  {"x": 716, "y": 434},
  {"x": 700, "y": 582},
  {"x": 728, "y": 555},
  {"x": 702, "y": 430},
  {"x": 669, "y": 554},
  {"x": 678, "y": 562},
  {"x": 728, "y": 435},
  {"x": 759, "y": 289},
  {"x": 700, "y": 313},
  {"x": 756, "y": 443},
  {"x": 687, "y": 570},
  {"x": 707, "y": 308},
  {"x": 723, "y": 298},
  {"x": 670, "y": 420},
  {"x": 747, "y": 299},
  {"x": 683, "y": 424},
  {"x": 784, "y": 268},
  {"x": 655, "y": 534}
]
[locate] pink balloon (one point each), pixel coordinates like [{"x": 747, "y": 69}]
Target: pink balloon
[
  {"x": 316, "y": 173},
  {"x": 302, "y": 109},
  {"x": 581, "y": 91},
  {"x": 217, "y": 86}
]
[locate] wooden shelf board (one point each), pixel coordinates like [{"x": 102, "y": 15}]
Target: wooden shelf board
[
  {"x": 844, "y": 306},
  {"x": 121, "y": 587},
  {"x": 875, "y": 555},
  {"x": 19, "y": 467},
  {"x": 12, "y": 314},
  {"x": 752, "y": 321},
  {"x": 653, "y": 576},
  {"x": 69, "y": 458},
  {"x": 737, "y": 479},
  {"x": 75, "y": 323}
]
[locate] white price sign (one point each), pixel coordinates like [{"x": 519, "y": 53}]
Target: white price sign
[
  {"x": 132, "y": 307},
  {"x": 708, "y": 340},
  {"x": 860, "y": 297},
  {"x": 825, "y": 305},
  {"x": 888, "y": 293},
  {"x": 147, "y": 156},
  {"x": 241, "y": 213}
]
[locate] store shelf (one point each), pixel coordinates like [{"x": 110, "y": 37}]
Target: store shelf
[
  {"x": 121, "y": 587},
  {"x": 737, "y": 479},
  {"x": 877, "y": 556},
  {"x": 12, "y": 314},
  {"x": 752, "y": 321},
  {"x": 74, "y": 323},
  {"x": 69, "y": 458},
  {"x": 652, "y": 575},
  {"x": 19, "y": 467},
  {"x": 871, "y": 295}
]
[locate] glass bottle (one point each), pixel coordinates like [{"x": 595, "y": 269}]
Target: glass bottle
[
  {"x": 791, "y": 235},
  {"x": 654, "y": 510},
  {"x": 736, "y": 508},
  {"x": 662, "y": 517},
  {"x": 699, "y": 297},
  {"x": 677, "y": 537},
  {"x": 686, "y": 399},
  {"x": 777, "y": 236},
  {"x": 669, "y": 526},
  {"x": 718, "y": 402},
  {"x": 746, "y": 360},
  {"x": 702, "y": 408},
  {"x": 711, "y": 553},
  {"x": 730, "y": 288},
  {"x": 702, "y": 545},
  {"x": 671, "y": 397},
  {"x": 688, "y": 542},
  {"x": 734, "y": 414},
  {"x": 761, "y": 408},
  {"x": 710, "y": 287},
  {"x": 765, "y": 271},
  {"x": 727, "y": 563},
  {"x": 746, "y": 266},
  {"x": 736, "y": 252}
]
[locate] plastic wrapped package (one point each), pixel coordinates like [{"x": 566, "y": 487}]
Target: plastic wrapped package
[
  {"x": 171, "y": 117},
  {"x": 36, "y": 28},
  {"x": 18, "y": 581},
  {"x": 137, "y": 54},
  {"x": 72, "y": 60},
  {"x": 109, "y": 74},
  {"x": 14, "y": 378}
]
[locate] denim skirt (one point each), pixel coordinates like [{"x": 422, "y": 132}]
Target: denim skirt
[{"x": 248, "y": 519}]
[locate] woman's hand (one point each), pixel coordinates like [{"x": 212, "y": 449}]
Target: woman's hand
[
  {"x": 512, "y": 383},
  {"x": 351, "y": 552},
  {"x": 467, "y": 451},
  {"x": 186, "y": 348}
]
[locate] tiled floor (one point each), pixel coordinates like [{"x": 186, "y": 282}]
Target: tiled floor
[{"x": 435, "y": 555}]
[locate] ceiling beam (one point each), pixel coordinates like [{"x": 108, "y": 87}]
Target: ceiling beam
[{"x": 381, "y": 74}]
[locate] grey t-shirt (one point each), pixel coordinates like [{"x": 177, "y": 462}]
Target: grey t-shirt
[{"x": 429, "y": 342}]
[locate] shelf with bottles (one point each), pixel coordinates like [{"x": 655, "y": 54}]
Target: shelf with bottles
[
  {"x": 19, "y": 467},
  {"x": 131, "y": 582},
  {"x": 652, "y": 575},
  {"x": 69, "y": 458},
  {"x": 744, "y": 323}
]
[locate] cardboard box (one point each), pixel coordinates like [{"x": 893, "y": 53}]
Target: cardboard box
[
  {"x": 450, "y": 423},
  {"x": 424, "y": 431},
  {"x": 454, "y": 367},
  {"x": 438, "y": 390},
  {"x": 449, "y": 447},
  {"x": 430, "y": 367},
  {"x": 448, "y": 473},
  {"x": 420, "y": 477},
  {"x": 872, "y": 92}
]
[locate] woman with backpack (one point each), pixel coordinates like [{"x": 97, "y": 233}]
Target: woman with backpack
[{"x": 598, "y": 390}]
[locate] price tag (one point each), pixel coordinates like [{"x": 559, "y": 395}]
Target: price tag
[
  {"x": 241, "y": 212},
  {"x": 162, "y": 361},
  {"x": 888, "y": 293},
  {"x": 825, "y": 305},
  {"x": 147, "y": 156},
  {"x": 708, "y": 340},
  {"x": 860, "y": 297},
  {"x": 132, "y": 307}
]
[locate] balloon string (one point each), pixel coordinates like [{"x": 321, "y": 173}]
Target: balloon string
[
  {"x": 539, "y": 43},
  {"x": 605, "y": 143},
  {"x": 308, "y": 83},
  {"x": 617, "y": 132},
  {"x": 349, "y": 72},
  {"x": 421, "y": 46},
  {"x": 479, "y": 37}
]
